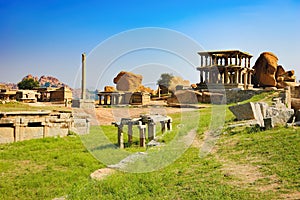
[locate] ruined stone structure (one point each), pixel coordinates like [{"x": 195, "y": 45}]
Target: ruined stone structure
[
  {"x": 6, "y": 93},
  {"x": 62, "y": 94},
  {"x": 27, "y": 95},
  {"x": 25, "y": 125},
  {"x": 145, "y": 121},
  {"x": 227, "y": 68},
  {"x": 123, "y": 98}
]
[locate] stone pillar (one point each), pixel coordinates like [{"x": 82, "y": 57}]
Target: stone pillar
[
  {"x": 249, "y": 62},
  {"x": 120, "y": 136},
  {"x": 206, "y": 76},
  {"x": 245, "y": 80},
  {"x": 169, "y": 125},
  {"x": 163, "y": 126},
  {"x": 249, "y": 78},
  {"x": 142, "y": 129},
  {"x": 215, "y": 60},
  {"x": 83, "y": 81},
  {"x": 151, "y": 130},
  {"x": 130, "y": 133},
  {"x": 201, "y": 61},
  {"x": 225, "y": 75},
  {"x": 241, "y": 77},
  {"x": 236, "y": 59},
  {"x": 105, "y": 99},
  {"x": 230, "y": 60},
  {"x": 236, "y": 76},
  {"x": 201, "y": 76}
]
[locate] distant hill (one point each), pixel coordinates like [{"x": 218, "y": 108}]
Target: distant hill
[{"x": 47, "y": 81}]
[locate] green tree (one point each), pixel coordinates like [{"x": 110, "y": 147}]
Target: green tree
[
  {"x": 28, "y": 84},
  {"x": 165, "y": 80}
]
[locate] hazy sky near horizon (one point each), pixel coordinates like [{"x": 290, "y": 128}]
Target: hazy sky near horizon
[{"x": 48, "y": 37}]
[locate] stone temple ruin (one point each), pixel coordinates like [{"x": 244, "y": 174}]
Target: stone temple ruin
[
  {"x": 227, "y": 68},
  {"x": 143, "y": 122}
]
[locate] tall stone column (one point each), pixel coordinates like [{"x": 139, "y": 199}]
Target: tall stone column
[
  {"x": 120, "y": 136},
  {"x": 245, "y": 80},
  {"x": 206, "y": 76},
  {"x": 201, "y": 61},
  {"x": 201, "y": 76},
  {"x": 249, "y": 62},
  {"x": 225, "y": 75},
  {"x": 130, "y": 133},
  {"x": 236, "y": 76},
  {"x": 83, "y": 80}
]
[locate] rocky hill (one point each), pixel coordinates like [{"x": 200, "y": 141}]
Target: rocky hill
[{"x": 46, "y": 81}]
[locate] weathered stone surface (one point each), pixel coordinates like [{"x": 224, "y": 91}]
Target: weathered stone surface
[
  {"x": 212, "y": 97},
  {"x": 261, "y": 112},
  {"x": 280, "y": 116},
  {"x": 246, "y": 111},
  {"x": 185, "y": 97},
  {"x": 128, "y": 81},
  {"x": 265, "y": 69},
  {"x": 109, "y": 89}
]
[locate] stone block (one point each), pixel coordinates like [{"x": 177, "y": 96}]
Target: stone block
[{"x": 248, "y": 111}]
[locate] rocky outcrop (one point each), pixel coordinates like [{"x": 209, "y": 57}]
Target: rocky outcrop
[
  {"x": 46, "y": 81},
  {"x": 177, "y": 80},
  {"x": 30, "y": 76},
  {"x": 269, "y": 74},
  {"x": 265, "y": 70},
  {"x": 128, "y": 81}
]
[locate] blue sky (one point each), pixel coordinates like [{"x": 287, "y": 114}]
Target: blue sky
[{"x": 48, "y": 37}]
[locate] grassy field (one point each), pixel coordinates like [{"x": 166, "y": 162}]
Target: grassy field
[{"x": 248, "y": 164}]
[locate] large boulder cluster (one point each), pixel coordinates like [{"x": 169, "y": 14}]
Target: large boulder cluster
[{"x": 267, "y": 72}]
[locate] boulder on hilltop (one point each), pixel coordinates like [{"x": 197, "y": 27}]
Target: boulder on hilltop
[
  {"x": 267, "y": 72},
  {"x": 128, "y": 81}
]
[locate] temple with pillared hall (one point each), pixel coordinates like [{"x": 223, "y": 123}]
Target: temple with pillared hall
[{"x": 225, "y": 69}]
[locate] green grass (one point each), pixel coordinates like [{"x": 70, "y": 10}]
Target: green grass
[
  {"x": 44, "y": 168},
  {"x": 18, "y": 106},
  {"x": 55, "y": 167}
]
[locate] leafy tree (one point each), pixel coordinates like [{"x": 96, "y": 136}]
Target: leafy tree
[
  {"x": 28, "y": 84},
  {"x": 165, "y": 80}
]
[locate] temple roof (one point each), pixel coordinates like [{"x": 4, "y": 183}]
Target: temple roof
[{"x": 224, "y": 53}]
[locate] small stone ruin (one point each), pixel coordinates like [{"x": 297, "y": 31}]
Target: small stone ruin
[{"x": 143, "y": 122}]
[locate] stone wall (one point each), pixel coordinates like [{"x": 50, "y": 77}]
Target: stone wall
[{"x": 26, "y": 125}]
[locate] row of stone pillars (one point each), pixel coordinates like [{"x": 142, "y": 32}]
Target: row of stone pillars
[
  {"x": 206, "y": 60},
  {"x": 227, "y": 77},
  {"x": 151, "y": 125},
  {"x": 109, "y": 99}
]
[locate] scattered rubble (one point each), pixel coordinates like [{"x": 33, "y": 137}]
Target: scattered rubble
[{"x": 266, "y": 116}]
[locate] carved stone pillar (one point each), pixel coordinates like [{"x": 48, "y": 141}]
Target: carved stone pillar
[
  {"x": 236, "y": 76},
  {"x": 120, "y": 136},
  {"x": 225, "y": 75}
]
